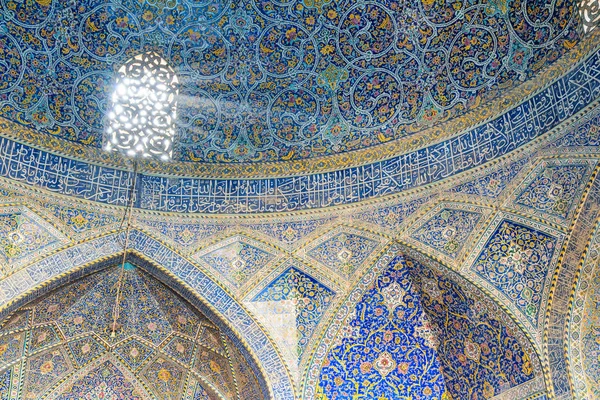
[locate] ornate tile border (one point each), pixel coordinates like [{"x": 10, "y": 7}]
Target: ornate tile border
[{"x": 519, "y": 127}]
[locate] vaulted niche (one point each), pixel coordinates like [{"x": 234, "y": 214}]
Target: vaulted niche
[
  {"x": 422, "y": 332},
  {"x": 59, "y": 346}
]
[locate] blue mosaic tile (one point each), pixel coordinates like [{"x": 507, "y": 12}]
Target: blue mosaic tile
[
  {"x": 516, "y": 260},
  {"x": 200, "y": 393},
  {"x": 5, "y": 384},
  {"x": 103, "y": 382},
  {"x": 311, "y": 98},
  {"x": 134, "y": 353},
  {"x": 80, "y": 220},
  {"x": 179, "y": 349},
  {"x": 387, "y": 348},
  {"x": 344, "y": 252},
  {"x": 587, "y": 134},
  {"x": 86, "y": 349},
  {"x": 447, "y": 230},
  {"x": 21, "y": 236},
  {"x": 556, "y": 189},
  {"x": 478, "y": 351},
  {"x": 13, "y": 347},
  {"x": 392, "y": 217},
  {"x": 311, "y": 299},
  {"x": 165, "y": 377},
  {"x": 290, "y": 232},
  {"x": 492, "y": 184},
  {"x": 185, "y": 234},
  {"x": 237, "y": 260},
  {"x": 43, "y": 336},
  {"x": 552, "y": 105}
]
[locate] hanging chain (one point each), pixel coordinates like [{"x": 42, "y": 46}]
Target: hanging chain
[{"x": 128, "y": 216}]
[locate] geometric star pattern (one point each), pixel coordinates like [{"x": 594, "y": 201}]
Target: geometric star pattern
[{"x": 153, "y": 346}]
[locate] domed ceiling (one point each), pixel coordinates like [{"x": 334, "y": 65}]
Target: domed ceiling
[
  {"x": 370, "y": 199},
  {"x": 264, "y": 81},
  {"x": 61, "y": 347}
]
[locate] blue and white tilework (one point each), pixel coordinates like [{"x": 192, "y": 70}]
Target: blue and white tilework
[
  {"x": 237, "y": 258},
  {"x": 310, "y": 297},
  {"x": 553, "y": 190},
  {"x": 447, "y": 228},
  {"x": 343, "y": 250},
  {"x": 491, "y": 185},
  {"x": 201, "y": 285},
  {"x": 517, "y": 260},
  {"x": 517, "y": 127},
  {"x": 23, "y": 234}
]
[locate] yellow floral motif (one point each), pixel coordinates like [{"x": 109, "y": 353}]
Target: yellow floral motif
[
  {"x": 164, "y": 375},
  {"x": 214, "y": 367},
  {"x": 79, "y": 220},
  {"x": 488, "y": 390},
  {"x": 327, "y": 49},
  {"x": 47, "y": 367}
]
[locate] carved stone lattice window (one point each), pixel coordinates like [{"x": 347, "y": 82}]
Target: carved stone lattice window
[
  {"x": 141, "y": 122},
  {"x": 590, "y": 14}
]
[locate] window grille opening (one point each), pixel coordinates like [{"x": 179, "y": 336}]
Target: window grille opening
[
  {"x": 141, "y": 121},
  {"x": 590, "y": 14}
]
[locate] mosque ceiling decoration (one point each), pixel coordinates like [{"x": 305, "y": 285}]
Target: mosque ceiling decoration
[
  {"x": 536, "y": 243},
  {"x": 476, "y": 218},
  {"x": 443, "y": 318},
  {"x": 520, "y": 128},
  {"x": 60, "y": 346},
  {"x": 262, "y": 82}
]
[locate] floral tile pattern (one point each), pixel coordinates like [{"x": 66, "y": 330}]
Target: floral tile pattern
[
  {"x": 280, "y": 104},
  {"x": 80, "y": 220},
  {"x": 344, "y": 252},
  {"x": 237, "y": 259},
  {"x": 392, "y": 217},
  {"x": 447, "y": 230},
  {"x": 23, "y": 234},
  {"x": 480, "y": 356},
  {"x": 387, "y": 349},
  {"x": 311, "y": 299},
  {"x": 492, "y": 184},
  {"x": 104, "y": 382},
  {"x": 556, "y": 189},
  {"x": 516, "y": 260},
  {"x": 154, "y": 345}
]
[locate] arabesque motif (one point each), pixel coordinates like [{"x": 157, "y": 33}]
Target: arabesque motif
[{"x": 265, "y": 81}]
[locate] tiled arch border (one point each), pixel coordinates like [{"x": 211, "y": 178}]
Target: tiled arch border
[
  {"x": 74, "y": 262},
  {"x": 311, "y": 372}
]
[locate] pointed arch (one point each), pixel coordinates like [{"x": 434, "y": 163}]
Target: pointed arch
[{"x": 174, "y": 271}]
